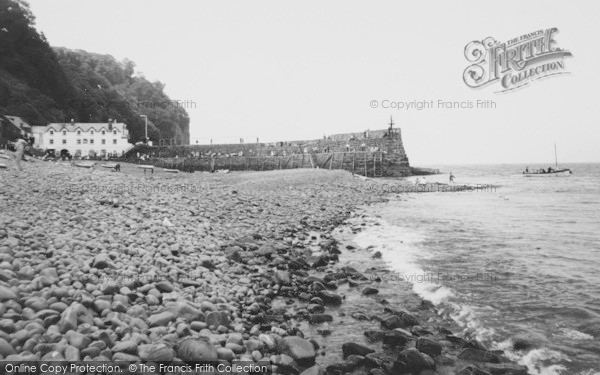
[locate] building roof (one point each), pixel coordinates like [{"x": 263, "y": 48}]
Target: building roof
[
  {"x": 18, "y": 122},
  {"x": 85, "y": 126}
]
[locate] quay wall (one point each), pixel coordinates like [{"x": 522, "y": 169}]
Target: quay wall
[
  {"x": 370, "y": 164},
  {"x": 374, "y": 154}
]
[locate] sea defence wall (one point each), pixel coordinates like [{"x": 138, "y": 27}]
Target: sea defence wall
[{"x": 372, "y": 153}]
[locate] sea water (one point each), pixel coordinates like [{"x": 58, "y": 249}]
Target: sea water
[{"x": 520, "y": 262}]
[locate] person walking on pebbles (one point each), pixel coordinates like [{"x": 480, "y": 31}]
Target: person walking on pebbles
[{"x": 19, "y": 150}]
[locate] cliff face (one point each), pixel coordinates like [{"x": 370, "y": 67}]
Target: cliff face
[
  {"x": 42, "y": 84},
  {"x": 33, "y": 85},
  {"x": 109, "y": 89}
]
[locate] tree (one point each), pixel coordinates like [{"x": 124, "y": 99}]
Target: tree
[{"x": 44, "y": 84}]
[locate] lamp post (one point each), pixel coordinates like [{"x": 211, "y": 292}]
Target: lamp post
[{"x": 146, "y": 132}]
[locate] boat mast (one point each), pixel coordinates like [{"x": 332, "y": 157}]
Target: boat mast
[{"x": 555, "y": 158}]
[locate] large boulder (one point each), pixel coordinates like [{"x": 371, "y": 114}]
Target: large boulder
[
  {"x": 399, "y": 320},
  {"x": 331, "y": 298},
  {"x": 102, "y": 261},
  {"x": 407, "y": 319},
  {"x": 412, "y": 361},
  {"x": 50, "y": 274},
  {"x": 197, "y": 350},
  {"x": 156, "y": 352},
  {"x": 217, "y": 318},
  {"x": 351, "y": 348},
  {"x": 72, "y": 316},
  {"x": 282, "y": 277},
  {"x": 183, "y": 310},
  {"x": 428, "y": 346},
  {"x": 397, "y": 337},
  {"x": 128, "y": 347},
  {"x": 369, "y": 290},
  {"x": 266, "y": 250},
  {"x": 77, "y": 340},
  {"x": 267, "y": 340},
  {"x": 5, "y": 348},
  {"x": 6, "y": 294},
  {"x": 161, "y": 319},
  {"x": 392, "y": 322},
  {"x": 301, "y": 350}
]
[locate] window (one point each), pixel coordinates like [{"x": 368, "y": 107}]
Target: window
[
  {"x": 52, "y": 141},
  {"x": 115, "y": 131},
  {"x": 103, "y": 131},
  {"x": 64, "y": 141},
  {"x": 78, "y": 132},
  {"x": 64, "y": 133},
  {"x": 85, "y": 141},
  {"x": 91, "y": 132},
  {"x": 104, "y": 141},
  {"x": 114, "y": 141},
  {"x": 91, "y": 141},
  {"x": 51, "y": 132},
  {"x": 79, "y": 141}
]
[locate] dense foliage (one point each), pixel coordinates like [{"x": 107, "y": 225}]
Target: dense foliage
[{"x": 42, "y": 84}]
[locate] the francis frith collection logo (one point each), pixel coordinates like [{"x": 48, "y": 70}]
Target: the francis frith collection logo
[{"x": 515, "y": 63}]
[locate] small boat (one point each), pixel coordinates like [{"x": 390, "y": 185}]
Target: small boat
[
  {"x": 84, "y": 164},
  {"x": 564, "y": 172},
  {"x": 553, "y": 172}
]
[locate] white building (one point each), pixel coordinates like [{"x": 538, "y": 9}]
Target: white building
[{"x": 83, "y": 139}]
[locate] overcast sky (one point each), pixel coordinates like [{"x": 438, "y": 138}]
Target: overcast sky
[{"x": 285, "y": 70}]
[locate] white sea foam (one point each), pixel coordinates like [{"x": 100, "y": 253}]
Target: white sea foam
[
  {"x": 538, "y": 362},
  {"x": 575, "y": 335},
  {"x": 589, "y": 372},
  {"x": 468, "y": 318},
  {"x": 542, "y": 361},
  {"x": 399, "y": 248},
  {"x": 507, "y": 347}
]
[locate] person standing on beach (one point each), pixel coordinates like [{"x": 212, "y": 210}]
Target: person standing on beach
[
  {"x": 19, "y": 150},
  {"x": 451, "y": 178}
]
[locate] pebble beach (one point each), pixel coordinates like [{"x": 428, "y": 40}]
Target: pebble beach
[{"x": 244, "y": 267}]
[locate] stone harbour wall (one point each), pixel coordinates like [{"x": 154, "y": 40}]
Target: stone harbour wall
[{"x": 374, "y": 154}]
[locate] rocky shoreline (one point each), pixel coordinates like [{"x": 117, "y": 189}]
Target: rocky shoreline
[{"x": 229, "y": 268}]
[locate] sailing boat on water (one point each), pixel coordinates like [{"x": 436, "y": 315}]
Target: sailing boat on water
[{"x": 556, "y": 172}]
